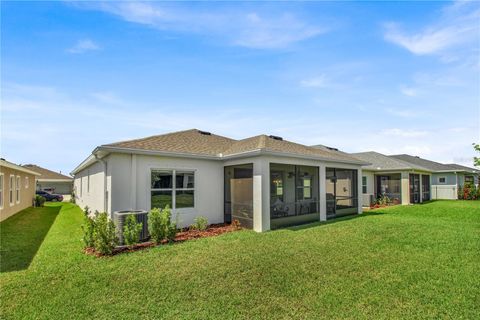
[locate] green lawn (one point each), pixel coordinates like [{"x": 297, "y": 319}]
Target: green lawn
[{"x": 418, "y": 261}]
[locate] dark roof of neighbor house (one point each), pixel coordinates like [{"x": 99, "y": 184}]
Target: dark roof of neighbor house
[
  {"x": 383, "y": 162},
  {"x": 463, "y": 168},
  {"x": 46, "y": 174},
  {"x": 430, "y": 165},
  {"x": 197, "y": 142}
]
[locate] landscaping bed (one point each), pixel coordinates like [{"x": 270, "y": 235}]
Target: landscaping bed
[{"x": 181, "y": 236}]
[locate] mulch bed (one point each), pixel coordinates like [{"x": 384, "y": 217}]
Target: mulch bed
[{"x": 183, "y": 235}]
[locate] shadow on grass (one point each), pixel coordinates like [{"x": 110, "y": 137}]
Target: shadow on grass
[
  {"x": 334, "y": 220},
  {"x": 22, "y": 235}
]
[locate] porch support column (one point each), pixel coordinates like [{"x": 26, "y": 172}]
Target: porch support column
[
  {"x": 359, "y": 190},
  {"x": 322, "y": 179},
  {"x": 261, "y": 195},
  {"x": 405, "y": 187}
]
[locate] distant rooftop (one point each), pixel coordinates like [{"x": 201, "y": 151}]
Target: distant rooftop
[
  {"x": 383, "y": 162},
  {"x": 47, "y": 174}
]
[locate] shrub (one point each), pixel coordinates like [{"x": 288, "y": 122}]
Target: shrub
[
  {"x": 39, "y": 201},
  {"x": 155, "y": 226},
  {"x": 72, "y": 198},
  {"x": 131, "y": 230},
  {"x": 160, "y": 225},
  {"x": 88, "y": 228},
  {"x": 200, "y": 223},
  {"x": 104, "y": 236}
]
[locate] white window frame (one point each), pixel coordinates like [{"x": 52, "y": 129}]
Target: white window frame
[
  {"x": 88, "y": 182},
  {"x": 2, "y": 188},
  {"x": 174, "y": 189},
  {"x": 442, "y": 177},
  {"x": 11, "y": 183},
  {"x": 27, "y": 182},
  {"x": 18, "y": 184},
  {"x": 365, "y": 185}
]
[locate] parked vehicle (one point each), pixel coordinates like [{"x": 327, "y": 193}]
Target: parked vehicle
[{"x": 50, "y": 196}]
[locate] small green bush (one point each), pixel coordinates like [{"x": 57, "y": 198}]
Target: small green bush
[
  {"x": 131, "y": 230},
  {"x": 155, "y": 226},
  {"x": 200, "y": 223},
  {"x": 104, "y": 235},
  {"x": 72, "y": 198},
  {"x": 39, "y": 201},
  {"x": 160, "y": 225},
  {"x": 88, "y": 229}
]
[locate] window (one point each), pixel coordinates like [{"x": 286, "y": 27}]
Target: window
[
  {"x": 26, "y": 182},
  {"x": 178, "y": 192},
  {"x": 442, "y": 180},
  {"x": 17, "y": 189},
  {"x": 10, "y": 189},
  {"x": 469, "y": 179},
  {"x": 364, "y": 184},
  {"x": 81, "y": 186},
  {"x": 1, "y": 190},
  {"x": 88, "y": 182}
]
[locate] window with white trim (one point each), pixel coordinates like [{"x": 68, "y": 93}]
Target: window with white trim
[
  {"x": 1, "y": 190},
  {"x": 364, "y": 184},
  {"x": 442, "y": 180},
  {"x": 88, "y": 181},
  {"x": 178, "y": 192},
  {"x": 27, "y": 182},
  {"x": 469, "y": 179},
  {"x": 17, "y": 189},
  {"x": 10, "y": 189}
]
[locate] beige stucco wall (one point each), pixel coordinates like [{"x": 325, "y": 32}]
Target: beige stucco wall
[{"x": 26, "y": 193}]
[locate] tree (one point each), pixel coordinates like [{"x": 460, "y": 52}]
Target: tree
[{"x": 476, "y": 160}]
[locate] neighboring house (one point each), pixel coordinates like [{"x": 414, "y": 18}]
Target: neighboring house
[
  {"x": 402, "y": 182},
  {"x": 52, "y": 181},
  {"x": 446, "y": 178},
  {"x": 265, "y": 182},
  {"x": 17, "y": 188}
]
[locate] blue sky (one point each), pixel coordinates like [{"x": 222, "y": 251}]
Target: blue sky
[{"x": 392, "y": 77}]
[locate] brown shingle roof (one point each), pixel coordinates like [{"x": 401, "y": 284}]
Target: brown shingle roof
[
  {"x": 190, "y": 141},
  {"x": 267, "y": 143},
  {"x": 46, "y": 174},
  {"x": 197, "y": 142}
]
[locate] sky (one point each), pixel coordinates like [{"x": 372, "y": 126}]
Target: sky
[{"x": 393, "y": 77}]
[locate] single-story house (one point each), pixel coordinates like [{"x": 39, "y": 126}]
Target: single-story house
[
  {"x": 402, "y": 182},
  {"x": 447, "y": 179},
  {"x": 17, "y": 188},
  {"x": 51, "y": 181},
  {"x": 264, "y": 182}
]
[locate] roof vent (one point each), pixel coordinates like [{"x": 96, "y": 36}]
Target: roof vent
[
  {"x": 2, "y": 159},
  {"x": 276, "y": 138},
  {"x": 205, "y": 133},
  {"x": 331, "y": 148}
]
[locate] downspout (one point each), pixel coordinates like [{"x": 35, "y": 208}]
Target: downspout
[{"x": 105, "y": 199}]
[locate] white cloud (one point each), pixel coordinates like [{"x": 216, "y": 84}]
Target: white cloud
[
  {"x": 320, "y": 81},
  {"x": 83, "y": 45},
  {"x": 404, "y": 133},
  {"x": 456, "y": 25},
  {"x": 246, "y": 28},
  {"x": 404, "y": 113},
  {"x": 107, "y": 97},
  {"x": 408, "y": 91}
]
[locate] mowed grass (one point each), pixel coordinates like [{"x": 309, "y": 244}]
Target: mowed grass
[{"x": 418, "y": 261}]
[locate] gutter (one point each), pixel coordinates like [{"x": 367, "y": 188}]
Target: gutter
[{"x": 105, "y": 196}]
